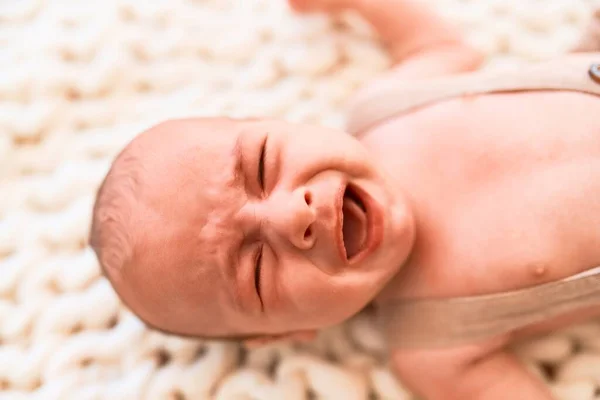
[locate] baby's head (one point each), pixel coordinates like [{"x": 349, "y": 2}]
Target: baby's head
[{"x": 248, "y": 228}]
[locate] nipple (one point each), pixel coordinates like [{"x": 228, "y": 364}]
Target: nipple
[{"x": 539, "y": 271}]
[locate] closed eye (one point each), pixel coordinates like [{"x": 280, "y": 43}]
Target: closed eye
[
  {"x": 257, "y": 273},
  {"x": 261, "y": 165}
]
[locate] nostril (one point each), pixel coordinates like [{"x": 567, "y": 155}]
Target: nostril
[
  {"x": 307, "y": 233},
  {"x": 307, "y": 198}
]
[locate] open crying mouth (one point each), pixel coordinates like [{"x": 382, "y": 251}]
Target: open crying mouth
[{"x": 354, "y": 223}]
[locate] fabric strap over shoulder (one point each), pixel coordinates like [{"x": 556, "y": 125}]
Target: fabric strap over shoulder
[
  {"x": 433, "y": 323},
  {"x": 573, "y": 72}
]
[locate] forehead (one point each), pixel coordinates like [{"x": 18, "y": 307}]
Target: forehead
[
  {"x": 194, "y": 181},
  {"x": 192, "y": 186},
  {"x": 198, "y": 159}
]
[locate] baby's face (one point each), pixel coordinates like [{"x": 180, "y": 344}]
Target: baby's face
[{"x": 260, "y": 227}]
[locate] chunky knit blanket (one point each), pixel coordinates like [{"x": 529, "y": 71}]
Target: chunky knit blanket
[{"x": 78, "y": 79}]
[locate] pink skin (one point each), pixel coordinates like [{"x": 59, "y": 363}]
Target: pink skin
[
  {"x": 189, "y": 213},
  {"x": 200, "y": 228}
]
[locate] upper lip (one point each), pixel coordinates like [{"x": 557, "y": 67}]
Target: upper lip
[
  {"x": 374, "y": 221},
  {"x": 339, "y": 235}
]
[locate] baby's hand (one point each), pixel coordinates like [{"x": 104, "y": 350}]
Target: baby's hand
[{"x": 306, "y": 6}]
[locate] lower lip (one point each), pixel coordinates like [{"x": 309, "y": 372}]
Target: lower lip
[{"x": 374, "y": 225}]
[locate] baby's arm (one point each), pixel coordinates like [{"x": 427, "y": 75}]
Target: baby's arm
[
  {"x": 590, "y": 41},
  {"x": 472, "y": 372},
  {"x": 420, "y": 42}
]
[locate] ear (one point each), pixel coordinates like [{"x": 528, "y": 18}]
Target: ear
[{"x": 298, "y": 337}]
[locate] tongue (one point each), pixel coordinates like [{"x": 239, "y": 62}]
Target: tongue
[{"x": 354, "y": 227}]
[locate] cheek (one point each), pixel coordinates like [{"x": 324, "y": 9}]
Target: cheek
[
  {"x": 301, "y": 287},
  {"x": 306, "y": 290},
  {"x": 300, "y": 280}
]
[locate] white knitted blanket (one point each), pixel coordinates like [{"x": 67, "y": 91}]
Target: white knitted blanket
[{"x": 78, "y": 79}]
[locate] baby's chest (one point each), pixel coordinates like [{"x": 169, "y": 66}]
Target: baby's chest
[
  {"x": 500, "y": 245},
  {"x": 498, "y": 209}
]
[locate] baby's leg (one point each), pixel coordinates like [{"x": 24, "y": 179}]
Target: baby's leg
[
  {"x": 472, "y": 372},
  {"x": 590, "y": 41}
]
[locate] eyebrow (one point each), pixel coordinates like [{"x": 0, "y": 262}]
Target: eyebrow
[
  {"x": 233, "y": 257},
  {"x": 237, "y": 153},
  {"x": 233, "y": 267}
]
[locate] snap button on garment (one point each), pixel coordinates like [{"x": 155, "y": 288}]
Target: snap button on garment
[{"x": 595, "y": 72}]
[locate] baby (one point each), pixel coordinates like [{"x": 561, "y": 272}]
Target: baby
[{"x": 449, "y": 182}]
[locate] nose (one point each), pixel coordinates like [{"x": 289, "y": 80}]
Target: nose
[{"x": 292, "y": 216}]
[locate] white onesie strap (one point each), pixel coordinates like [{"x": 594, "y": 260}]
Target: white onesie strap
[
  {"x": 593, "y": 271},
  {"x": 454, "y": 321},
  {"x": 573, "y": 72}
]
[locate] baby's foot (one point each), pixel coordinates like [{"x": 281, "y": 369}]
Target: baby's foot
[{"x": 590, "y": 41}]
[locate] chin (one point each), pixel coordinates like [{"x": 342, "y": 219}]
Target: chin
[{"x": 398, "y": 244}]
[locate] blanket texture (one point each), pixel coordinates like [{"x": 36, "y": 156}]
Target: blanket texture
[{"x": 79, "y": 79}]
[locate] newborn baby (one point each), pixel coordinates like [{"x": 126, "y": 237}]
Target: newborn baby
[{"x": 449, "y": 182}]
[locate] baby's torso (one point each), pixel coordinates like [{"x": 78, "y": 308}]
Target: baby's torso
[{"x": 505, "y": 187}]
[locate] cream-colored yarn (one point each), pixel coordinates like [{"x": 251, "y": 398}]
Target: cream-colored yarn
[{"x": 80, "y": 79}]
